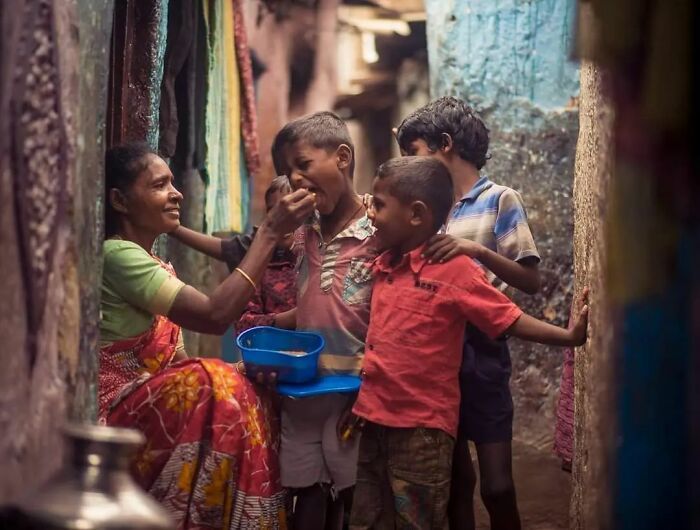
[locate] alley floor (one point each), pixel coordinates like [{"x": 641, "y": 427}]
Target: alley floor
[{"x": 543, "y": 491}]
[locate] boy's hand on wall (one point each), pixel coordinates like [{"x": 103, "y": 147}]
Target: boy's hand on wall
[
  {"x": 579, "y": 330},
  {"x": 443, "y": 248}
]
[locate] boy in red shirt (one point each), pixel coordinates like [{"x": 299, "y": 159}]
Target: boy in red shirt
[{"x": 409, "y": 399}]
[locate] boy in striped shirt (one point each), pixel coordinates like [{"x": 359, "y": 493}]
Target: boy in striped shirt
[{"x": 488, "y": 223}]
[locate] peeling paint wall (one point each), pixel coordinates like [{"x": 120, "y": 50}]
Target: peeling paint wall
[
  {"x": 510, "y": 59},
  {"x": 52, "y": 87}
]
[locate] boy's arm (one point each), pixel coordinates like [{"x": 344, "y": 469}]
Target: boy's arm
[
  {"x": 286, "y": 319},
  {"x": 532, "y": 329},
  {"x": 209, "y": 245},
  {"x": 524, "y": 275}
]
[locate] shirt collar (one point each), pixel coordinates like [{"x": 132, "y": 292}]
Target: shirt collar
[
  {"x": 360, "y": 229},
  {"x": 479, "y": 186},
  {"x": 413, "y": 258}
]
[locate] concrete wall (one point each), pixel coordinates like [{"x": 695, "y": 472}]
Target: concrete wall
[
  {"x": 51, "y": 154},
  {"x": 510, "y": 59},
  {"x": 595, "y": 427}
]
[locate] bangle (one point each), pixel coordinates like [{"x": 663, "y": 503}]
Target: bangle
[{"x": 245, "y": 275}]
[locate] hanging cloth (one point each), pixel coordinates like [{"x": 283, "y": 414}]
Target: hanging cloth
[
  {"x": 249, "y": 120},
  {"x": 224, "y": 198}
]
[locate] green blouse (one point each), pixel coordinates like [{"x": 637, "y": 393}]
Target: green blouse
[{"x": 135, "y": 288}]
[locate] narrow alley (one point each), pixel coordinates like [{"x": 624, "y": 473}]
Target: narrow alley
[{"x": 276, "y": 264}]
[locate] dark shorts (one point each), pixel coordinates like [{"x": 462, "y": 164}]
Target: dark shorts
[{"x": 486, "y": 411}]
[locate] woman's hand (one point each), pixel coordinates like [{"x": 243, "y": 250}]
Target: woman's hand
[
  {"x": 289, "y": 213},
  {"x": 268, "y": 379}
]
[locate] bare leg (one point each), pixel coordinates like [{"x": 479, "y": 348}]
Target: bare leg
[
  {"x": 310, "y": 509},
  {"x": 461, "y": 507},
  {"x": 497, "y": 486}
]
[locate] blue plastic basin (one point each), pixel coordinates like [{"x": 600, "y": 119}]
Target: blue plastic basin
[{"x": 263, "y": 350}]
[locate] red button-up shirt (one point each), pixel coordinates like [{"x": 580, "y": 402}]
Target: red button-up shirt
[{"x": 414, "y": 343}]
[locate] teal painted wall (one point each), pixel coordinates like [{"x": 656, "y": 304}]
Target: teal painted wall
[{"x": 504, "y": 55}]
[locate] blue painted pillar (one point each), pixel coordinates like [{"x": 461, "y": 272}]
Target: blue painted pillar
[{"x": 510, "y": 60}]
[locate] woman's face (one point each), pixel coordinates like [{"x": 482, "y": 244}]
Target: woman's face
[{"x": 152, "y": 204}]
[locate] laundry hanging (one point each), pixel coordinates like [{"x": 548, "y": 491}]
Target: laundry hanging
[{"x": 225, "y": 200}]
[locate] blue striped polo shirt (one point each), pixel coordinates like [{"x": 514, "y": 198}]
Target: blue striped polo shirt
[{"x": 494, "y": 216}]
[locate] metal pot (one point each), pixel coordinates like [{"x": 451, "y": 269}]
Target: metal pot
[{"x": 94, "y": 490}]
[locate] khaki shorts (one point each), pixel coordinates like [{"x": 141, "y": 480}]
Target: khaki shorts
[{"x": 310, "y": 451}]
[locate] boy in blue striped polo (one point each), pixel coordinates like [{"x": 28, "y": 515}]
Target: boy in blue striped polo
[{"x": 489, "y": 224}]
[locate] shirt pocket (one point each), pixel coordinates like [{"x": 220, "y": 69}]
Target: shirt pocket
[
  {"x": 413, "y": 318},
  {"x": 357, "y": 285}
]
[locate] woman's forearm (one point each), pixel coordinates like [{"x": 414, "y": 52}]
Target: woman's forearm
[
  {"x": 229, "y": 300},
  {"x": 213, "y": 314},
  {"x": 209, "y": 245}
]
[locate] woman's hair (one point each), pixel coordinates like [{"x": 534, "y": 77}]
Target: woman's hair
[
  {"x": 123, "y": 164},
  {"x": 279, "y": 184}
]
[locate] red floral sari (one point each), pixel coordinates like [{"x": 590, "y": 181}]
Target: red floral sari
[{"x": 211, "y": 454}]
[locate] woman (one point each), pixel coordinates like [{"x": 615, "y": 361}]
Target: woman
[{"x": 210, "y": 458}]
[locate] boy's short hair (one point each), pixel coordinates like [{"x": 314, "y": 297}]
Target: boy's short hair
[
  {"x": 420, "y": 178},
  {"x": 453, "y": 116},
  {"x": 323, "y": 130}
]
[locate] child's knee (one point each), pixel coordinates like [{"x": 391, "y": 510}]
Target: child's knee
[{"x": 498, "y": 491}]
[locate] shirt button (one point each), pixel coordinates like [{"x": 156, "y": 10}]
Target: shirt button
[
  {"x": 363, "y": 373},
  {"x": 389, "y": 280},
  {"x": 371, "y": 346}
]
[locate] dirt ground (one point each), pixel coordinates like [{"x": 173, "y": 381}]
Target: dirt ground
[{"x": 542, "y": 487}]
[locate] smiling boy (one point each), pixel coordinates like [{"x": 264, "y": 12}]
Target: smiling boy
[{"x": 410, "y": 393}]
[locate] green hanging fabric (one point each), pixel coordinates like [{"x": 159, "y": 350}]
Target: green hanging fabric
[{"x": 224, "y": 207}]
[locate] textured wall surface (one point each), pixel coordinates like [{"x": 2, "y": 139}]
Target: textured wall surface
[
  {"x": 507, "y": 55},
  {"x": 50, "y": 162},
  {"x": 594, "y": 425},
  {"x": 510, "y": 59}
]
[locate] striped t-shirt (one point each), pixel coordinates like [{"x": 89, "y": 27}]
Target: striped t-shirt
[{"x": 494, "y": 216}]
